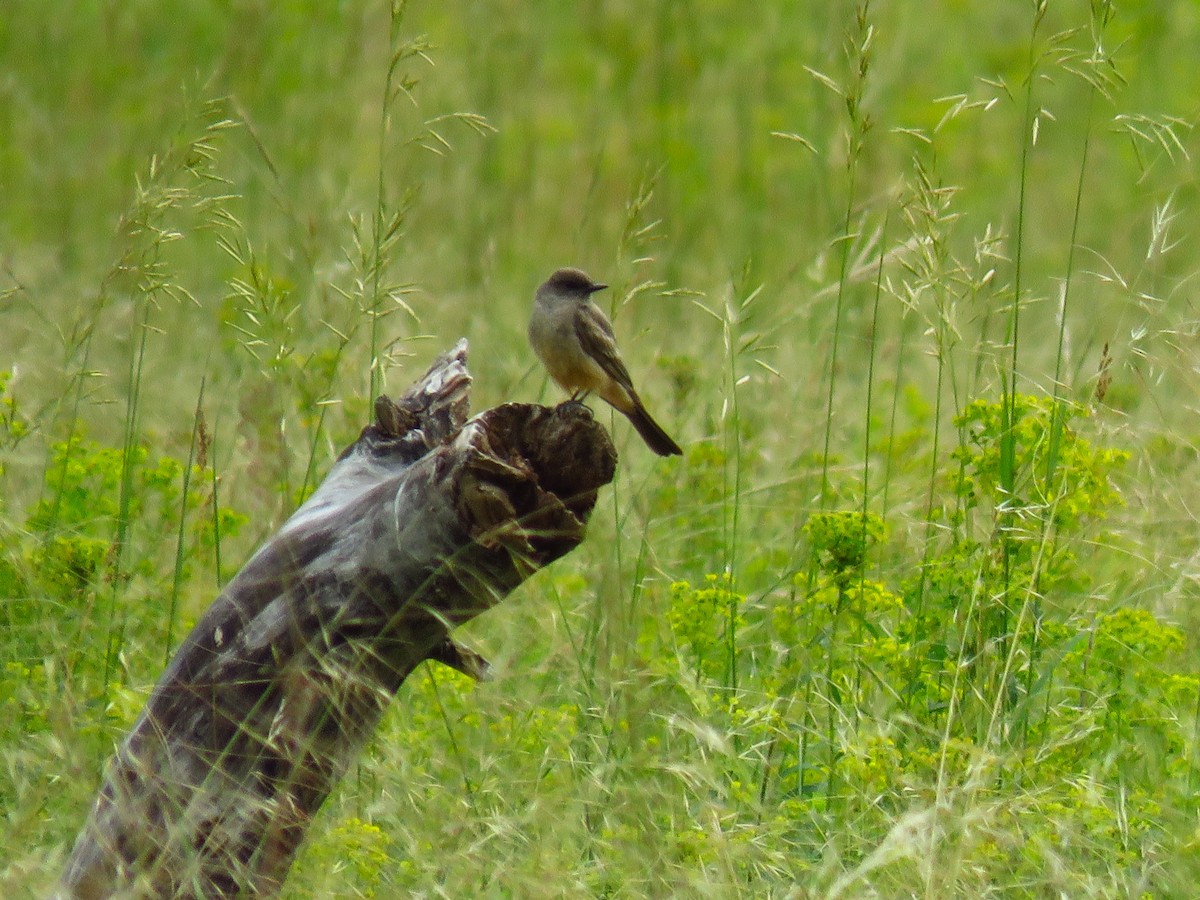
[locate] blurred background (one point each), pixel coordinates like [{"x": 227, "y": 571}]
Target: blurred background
[{"x": 829, "y": 227}]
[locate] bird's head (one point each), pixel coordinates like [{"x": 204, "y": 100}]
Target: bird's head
[{"x": 573, "y": 283}]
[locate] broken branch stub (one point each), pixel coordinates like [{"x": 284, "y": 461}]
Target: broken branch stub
[{"x": 425, "y": 522}]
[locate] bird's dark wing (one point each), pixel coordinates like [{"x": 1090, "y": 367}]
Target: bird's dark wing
[{"x": 596, "y": 336}]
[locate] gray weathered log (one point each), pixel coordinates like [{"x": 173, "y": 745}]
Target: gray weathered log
[{"x": 426, "y": 521}]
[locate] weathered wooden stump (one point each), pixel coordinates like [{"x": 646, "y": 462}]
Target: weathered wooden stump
[{"x": 425, "y": 522}]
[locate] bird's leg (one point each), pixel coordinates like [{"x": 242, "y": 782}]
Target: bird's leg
[{"x": 576, "y": 399}]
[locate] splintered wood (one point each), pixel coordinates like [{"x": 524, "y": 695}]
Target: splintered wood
[{"x": 425, "y": 522}]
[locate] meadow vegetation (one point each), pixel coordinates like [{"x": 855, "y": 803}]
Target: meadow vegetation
[{"x": 915, "y": 615}]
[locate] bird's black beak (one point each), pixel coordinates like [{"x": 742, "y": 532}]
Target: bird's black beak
[{"x": 596, "y": 287}]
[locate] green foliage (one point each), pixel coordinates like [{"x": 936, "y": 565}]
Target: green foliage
[
  {"x": 940, "y": 655},
  {"x": 69, "y": 532},
  {"x": 857, "y": 700},
  {"x": 352, "y": 854},
  {"x": 1011, "y": 550},
  {"x": 1059, "y": 478},
  {"x": 64, "y": 555},
  {"x": 13, "y": 425},
  {"x": 704, "y": 620},
  {"x": 840, "y": 542}
]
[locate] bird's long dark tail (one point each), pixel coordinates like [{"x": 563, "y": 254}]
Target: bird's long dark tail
[{"x": 652, "y": 433}]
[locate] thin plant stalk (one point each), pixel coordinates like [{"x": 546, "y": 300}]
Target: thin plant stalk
[
  {"x": 731, "y": 517},
  {"x": 216, "y": 508},
  {"x": 859, "y": 124},
  {"x": 1008, "y": 436},
  {"x": 177, "y": 578},
  {"x": 866, "y": 492},
  {"x": 379, "y": 239},
  {"x": 136, "y": 367}
]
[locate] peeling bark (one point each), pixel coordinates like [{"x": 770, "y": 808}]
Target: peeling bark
[{"x": 425, "y": 522}]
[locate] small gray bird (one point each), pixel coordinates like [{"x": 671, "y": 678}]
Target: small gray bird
[{"x": 575, "y": 342}]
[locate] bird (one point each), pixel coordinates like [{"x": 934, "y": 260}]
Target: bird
[{"x": 575, "y": 342}]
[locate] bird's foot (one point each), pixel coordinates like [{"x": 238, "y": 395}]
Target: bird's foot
[{"x": 573, "y": 404}]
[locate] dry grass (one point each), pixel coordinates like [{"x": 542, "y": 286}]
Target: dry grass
[{"x": 830, "y": 229}]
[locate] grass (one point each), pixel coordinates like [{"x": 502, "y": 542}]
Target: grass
[{"x": 911, "y": 284}]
